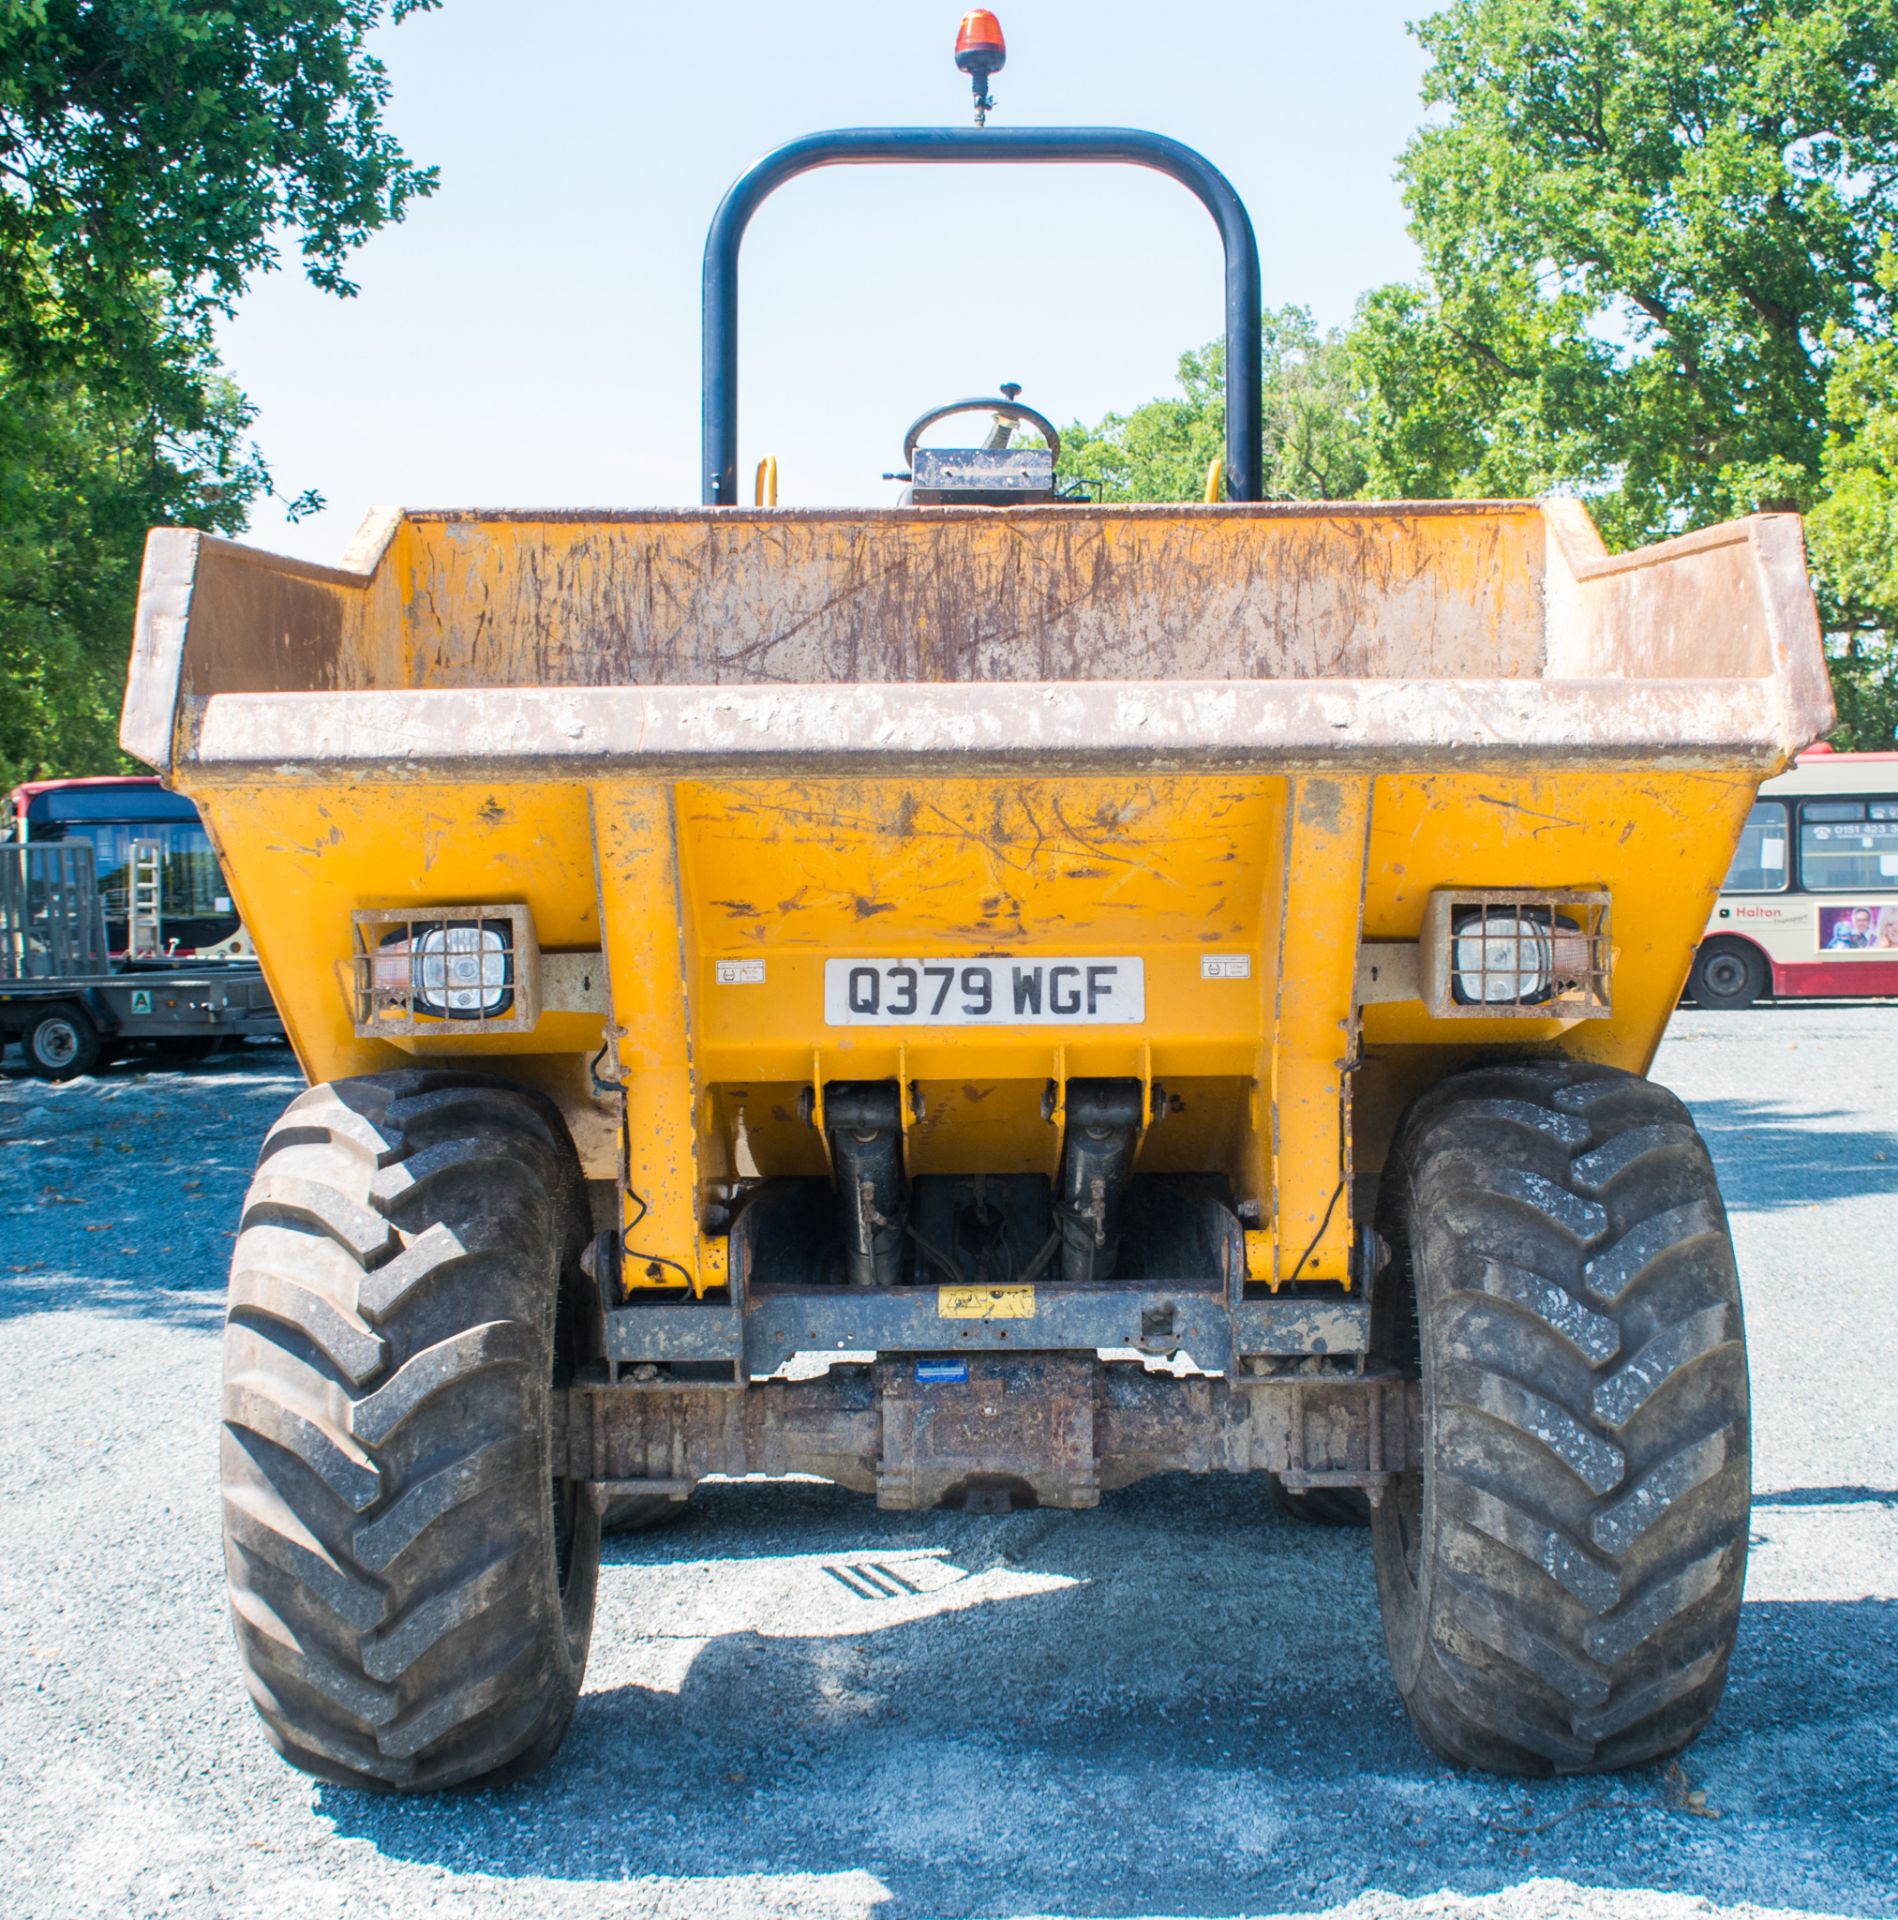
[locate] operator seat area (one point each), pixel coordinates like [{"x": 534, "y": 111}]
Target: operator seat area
[{"x": 995, "y": 474}]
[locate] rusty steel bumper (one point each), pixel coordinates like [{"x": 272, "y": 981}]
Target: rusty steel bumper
[{"x": 996, "y": 1432}]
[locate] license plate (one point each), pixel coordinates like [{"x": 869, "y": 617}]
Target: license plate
[{"x": 1095, "y": 991}]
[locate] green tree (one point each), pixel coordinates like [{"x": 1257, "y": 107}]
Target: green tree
[
  {"x": 1853, "y": 530},
  {"x": 84, "y": 472},
  {"x": 155, "y": 155},
  {"x": 1315, "y": 446},
  {"x": 1497, "y": 395},
  {"x": 1655, "y": 213}
]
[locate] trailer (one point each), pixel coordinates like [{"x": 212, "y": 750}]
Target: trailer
[{"x": 73, "y": 1005}]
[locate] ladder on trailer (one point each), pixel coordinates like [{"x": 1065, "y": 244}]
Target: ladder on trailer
[{"x": 145, "y": 911}]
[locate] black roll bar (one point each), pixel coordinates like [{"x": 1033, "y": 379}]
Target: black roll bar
[{"x": 1031, "y": 146}]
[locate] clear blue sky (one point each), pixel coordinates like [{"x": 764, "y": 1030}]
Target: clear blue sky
[{"x": 529, "y": 337}]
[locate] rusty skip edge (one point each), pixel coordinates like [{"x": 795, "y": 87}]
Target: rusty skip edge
[
  {"x": 1155, "y": 726},
  {"x": 1042, "y": 1430}
]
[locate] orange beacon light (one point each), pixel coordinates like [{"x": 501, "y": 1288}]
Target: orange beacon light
[{"x": 981, "y": 52}]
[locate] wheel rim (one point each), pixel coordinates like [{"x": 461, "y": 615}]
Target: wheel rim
[
  {"x": 1726, "y": 975},
  {"x": 56, "y": 1043}
]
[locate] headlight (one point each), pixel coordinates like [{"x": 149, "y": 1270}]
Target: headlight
[
  {"x": 459, "y": 970},
  {"x": 412, "y": 970},
  {"x": 1493, "y": 953},
  {"x": 1516, "y": 956}
]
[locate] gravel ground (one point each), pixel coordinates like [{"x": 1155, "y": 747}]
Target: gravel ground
[{"x": 1175, "y": 1705}]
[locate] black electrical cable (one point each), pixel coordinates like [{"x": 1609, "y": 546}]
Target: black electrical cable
[
  {"x": 1046, "y": 1252},
  {"x": 936, "y": 1255},
  {"x": 1331, "y": 1207},
  {"x": 1337, "y": 1192},
  {"x": 633, "y": 1253},
  {"x": 601, "y": 1088}
]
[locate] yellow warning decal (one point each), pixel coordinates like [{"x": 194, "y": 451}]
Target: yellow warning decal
[{"x": 985, "y": 1303}]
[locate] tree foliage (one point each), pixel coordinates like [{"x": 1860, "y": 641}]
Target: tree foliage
[
  {"x": 170, "y": 139},
  {"x": 84, "y": 472},
  {"x": 1654, "y": 213},
  {"x": 1314, "y": 440},
  {"x": 155, "y": 155},
  {"x": 1853, "y": 530}
]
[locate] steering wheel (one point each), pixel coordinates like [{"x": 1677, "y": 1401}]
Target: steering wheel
[{"x": 1009, "y": 408}]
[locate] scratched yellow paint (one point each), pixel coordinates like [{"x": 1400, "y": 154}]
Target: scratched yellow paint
[
  {"x": 301, "y": 860},
  {"x": 738, "y": 596},
  {"x": 1269, "y": 1077},
  {"x": 800, "y": 873},
  {"x": 985, "y": 1303},
  {"x": 649, "y": 958},
  {"x": 1313, "y": 1040},
  {"x": 1657, "y": 841}
]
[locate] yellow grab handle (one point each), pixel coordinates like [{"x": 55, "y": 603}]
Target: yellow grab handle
[
  {"x": 764, "y": 488},
  {"x": 1215, "y": 482}
]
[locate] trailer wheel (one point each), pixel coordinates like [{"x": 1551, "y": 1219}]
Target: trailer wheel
[
  {"x": 1729, "y": 975},
  {"x": 411, "y": 1572},
  {"x": 1560, "y": 1574},
  {"x": 61, "y": 1043}
]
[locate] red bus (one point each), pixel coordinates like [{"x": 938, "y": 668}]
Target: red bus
[{"x": 1810, "y": 907}]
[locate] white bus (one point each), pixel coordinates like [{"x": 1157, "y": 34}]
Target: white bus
[{"x": 1810, "y": 907}]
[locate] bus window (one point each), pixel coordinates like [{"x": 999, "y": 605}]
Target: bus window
[
  {"x": 195, "y": 905},
  {"x": 1760, "y": 865},
  {"x": 188, "y": 872},
  {"x": 1848, "y": 846}
]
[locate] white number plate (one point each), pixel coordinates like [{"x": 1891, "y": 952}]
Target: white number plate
[{"x": 1094, "y": 991}]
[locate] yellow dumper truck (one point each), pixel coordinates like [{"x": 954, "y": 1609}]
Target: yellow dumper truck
[{"x": 982, "y": 1000}]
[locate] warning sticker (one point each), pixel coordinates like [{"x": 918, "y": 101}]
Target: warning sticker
[
  {"x": 141, "y": 1000},
  {"x": 985, "y": 1303}
]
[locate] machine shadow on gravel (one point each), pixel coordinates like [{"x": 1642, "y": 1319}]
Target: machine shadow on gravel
[
  {"x": 1765, "y": 1151},
  {"x": 124, "y": 1185},
  {"x": 195, "y": 1309},
  {"x": 1043, "y": 1763},
  {"x": 1828, "y": 1497}
]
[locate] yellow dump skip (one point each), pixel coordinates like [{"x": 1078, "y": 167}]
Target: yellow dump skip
[{"x": 1195, "y": 762}]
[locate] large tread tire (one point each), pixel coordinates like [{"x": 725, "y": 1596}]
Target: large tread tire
[
  {"x": 411, "y": 1580},
  {"x": 1560, "y": 1577}
]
